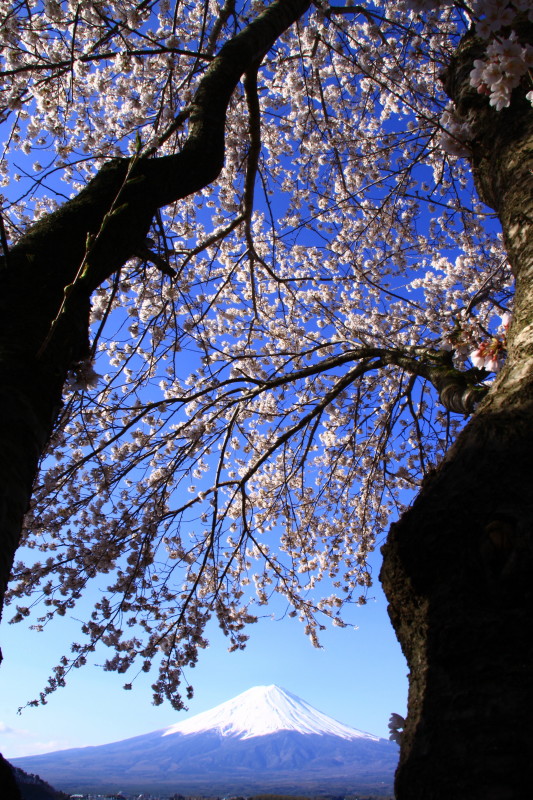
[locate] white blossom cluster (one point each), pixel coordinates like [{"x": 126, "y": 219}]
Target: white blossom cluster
[
  {"x": 493, "y": 15},
  {"x": 259, "y": 418},
  {"x": 83, "y": 376},
  {"x": 506, "y": 64},
  {"x": 490, "y": 354},
  {"x": 456, "y": 132}
]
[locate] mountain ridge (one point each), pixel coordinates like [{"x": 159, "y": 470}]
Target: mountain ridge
[
  {"x": 265, "y": 739},
  {"x": 262, "y": 710}
]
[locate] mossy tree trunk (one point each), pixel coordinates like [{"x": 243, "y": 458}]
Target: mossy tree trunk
[{"x": 458, "y": 566}]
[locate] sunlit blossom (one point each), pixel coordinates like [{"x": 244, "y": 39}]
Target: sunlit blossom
[{"x": 241, "y": 430}]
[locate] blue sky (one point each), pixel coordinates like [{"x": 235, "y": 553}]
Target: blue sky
[{"x": 358, "y": 677}]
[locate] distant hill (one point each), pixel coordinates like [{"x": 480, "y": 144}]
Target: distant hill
[
  {"x": 266, "y": 740},
  {"x": 32, "y": 787}
]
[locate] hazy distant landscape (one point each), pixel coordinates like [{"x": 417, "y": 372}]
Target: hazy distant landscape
[
  {"x": 37, "y": 790},
  {"x": 265, "y": 741}
]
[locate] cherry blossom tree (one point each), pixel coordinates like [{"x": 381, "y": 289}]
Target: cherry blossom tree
[{"x": 265, "y": 277}]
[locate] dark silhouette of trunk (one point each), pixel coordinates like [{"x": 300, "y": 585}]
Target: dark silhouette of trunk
[
  {"x": 458, "y": 565},
  {"x": 9, "y": 789},
  {"x": 44, "y": 324}
]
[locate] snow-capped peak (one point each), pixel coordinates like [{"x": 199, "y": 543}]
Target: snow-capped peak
[{"x": 263, "y": 710}]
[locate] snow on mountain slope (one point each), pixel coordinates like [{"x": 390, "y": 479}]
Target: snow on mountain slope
[
  {"x": 266, "y": 740},
  {"x": 263, "y": 710}
]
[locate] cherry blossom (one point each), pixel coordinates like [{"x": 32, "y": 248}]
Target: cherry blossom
[
  {"x": 507, "y": 63},
  {"x": 490, "y": 355},
  {"x": 264, "y": 387}
]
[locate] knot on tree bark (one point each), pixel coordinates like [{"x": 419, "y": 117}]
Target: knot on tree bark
[
  {"x": 461, "y": 399},
  {"x": 459, "y": 391}
]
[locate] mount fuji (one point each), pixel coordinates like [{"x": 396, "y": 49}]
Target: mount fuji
[{"x": 264, "y": 740}]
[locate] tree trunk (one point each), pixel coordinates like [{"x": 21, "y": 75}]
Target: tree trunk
[
  {"x": 8, "y": 784},
  {"x": 458, "y": 565}
]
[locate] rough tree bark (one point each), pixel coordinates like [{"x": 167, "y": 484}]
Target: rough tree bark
[{"x": 458, "y": 565}]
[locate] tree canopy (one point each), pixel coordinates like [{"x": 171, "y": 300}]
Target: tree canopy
[{"x": 294, "y": 337}]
